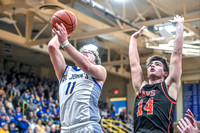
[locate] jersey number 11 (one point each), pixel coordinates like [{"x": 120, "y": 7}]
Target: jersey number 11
[{"x": 69, "y": 87}]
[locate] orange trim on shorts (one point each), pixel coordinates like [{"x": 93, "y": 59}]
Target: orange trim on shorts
[{"x": 166, "y": 94}]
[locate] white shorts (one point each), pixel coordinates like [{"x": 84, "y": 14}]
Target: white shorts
[{"x": 85, "y": 127}]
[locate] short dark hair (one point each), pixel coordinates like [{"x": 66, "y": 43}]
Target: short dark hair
[
  {"x": 3, "y": 114},
  {"x": 160, "y": 58},
  {"x": 95, "y": 53}
]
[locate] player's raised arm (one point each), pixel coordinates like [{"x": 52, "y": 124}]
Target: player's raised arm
[
  {"x": 56, "y": 57},
  {"x": 97, "y": 71},
  {"x": 136, "y": 70},
  {"x": 173, "y": 81}
]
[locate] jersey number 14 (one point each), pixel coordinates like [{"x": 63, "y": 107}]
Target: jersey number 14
[{"x": 148, "y": 107}]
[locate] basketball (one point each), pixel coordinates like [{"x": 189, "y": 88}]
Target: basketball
[{"x": 67, "y": 18}]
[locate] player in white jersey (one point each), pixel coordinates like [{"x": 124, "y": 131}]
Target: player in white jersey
[{"x": 80, "y": 86}]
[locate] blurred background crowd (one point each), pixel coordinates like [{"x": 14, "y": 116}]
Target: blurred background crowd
[{"x": 29, "y": 104}]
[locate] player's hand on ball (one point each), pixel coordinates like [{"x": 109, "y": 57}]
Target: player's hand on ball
[
  {"x": 138, "y": 33},
  {"x": 61, "y": 33},
  {"x": 67, "y": 18}
]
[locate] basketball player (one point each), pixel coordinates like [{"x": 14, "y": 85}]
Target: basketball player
[
  {"x": 155, "y": 100},
  {"x": 188, "y": 125},
  {"x": 80, "y": 87}
]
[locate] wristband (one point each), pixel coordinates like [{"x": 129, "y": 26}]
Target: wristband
[{"x": 64, "y": 44}]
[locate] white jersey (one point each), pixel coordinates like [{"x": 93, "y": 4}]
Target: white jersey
[{"x": 78, "y": 94}]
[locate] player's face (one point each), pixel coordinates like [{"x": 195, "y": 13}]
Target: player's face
[
  {"x": 156, "y": 70},
  {"x": 90, "y": 56}
]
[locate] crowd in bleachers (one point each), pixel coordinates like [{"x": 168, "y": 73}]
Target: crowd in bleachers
[
  {"x": 28, "y": 104},
  {"x": 109, "y": 112}
]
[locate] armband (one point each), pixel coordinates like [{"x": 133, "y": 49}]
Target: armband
[{"x": 64, "y": 44}]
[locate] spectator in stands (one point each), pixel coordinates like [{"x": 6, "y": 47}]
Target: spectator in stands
[
  {"x": 8, "y": 87},
  {"x": 51, "y": 94},
  {"x": 2, "y": 91},
  {"x": 11, "y": 115},
  {"x": 3, "y": 80},
  {"x": 56, "y": 95},
  {"x": 14, "y": 89},
  {"x": 40, "y": 88},
  {"x": 14, "y": 81},
  {"x": 9, "y": 104},
  {"x": 37, "y": 98},
  {"x": 47, "y": 129},
  {"x": 47, "y": 111},
  {"x": 35, "y": 116},
  {"x": 57, "y": 106},
  {"x": 130, "y": 116},
  {"x": 43, "y": 102},
  {"x": 3, "y": 119},
  {"x": 33, "y": 98},
  {"x": 49, "y": 124},
  {"x": 12, "y": 128},
  {"x": 4, "y": 128},
  {"x": 40, "y": 112},
  {"x": 46, "y": 93},
  {"x": 104, "y": 113},
  {"x": 7, "y": 119},
  {"x": 53, "y": 129},
  {"x": 56, "y": 116},
  {"x": 16, "y": 99},
  {"x": 29, "y": 130},
  {"x": 23, "y": 124},
  {"x": 32, "y": 106},
  {"x": 5, "y": 102},
  {"x": 32, "y": 124},
  {"x": 28, "y": 85},
  {"x": 122, "y": 115},
  {"x": 36, "y": 130},
  {"x": 25, "y": 96},
  {"x": 30, "y": 115},
  {"x": 21, "y": 84},
  {"x": 1, "y": 104},
  {"x": 58, "y": 128},
  {"x": 39, "y": 126},
  {"x": 50, "y": 104},
  {"x": 117, "y": 118},
  {"x": 3, "y": 110},
  {"x": 112, "y": 110},
  {"x": 128, "y": 123},
  {"x": 18, "y": 114}
]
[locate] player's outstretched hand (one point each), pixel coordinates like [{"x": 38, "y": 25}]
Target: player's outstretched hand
[
  {"x": 177, "y": 19},
  {"x": 188, "y": 125},
  {"x": 61, "y": 33},
  {"x": 138, "y": 33},
  {"x": 192, "y": 120}
]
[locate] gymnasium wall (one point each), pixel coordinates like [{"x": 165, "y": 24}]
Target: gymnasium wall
[{"x": 112, "y": 83}]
